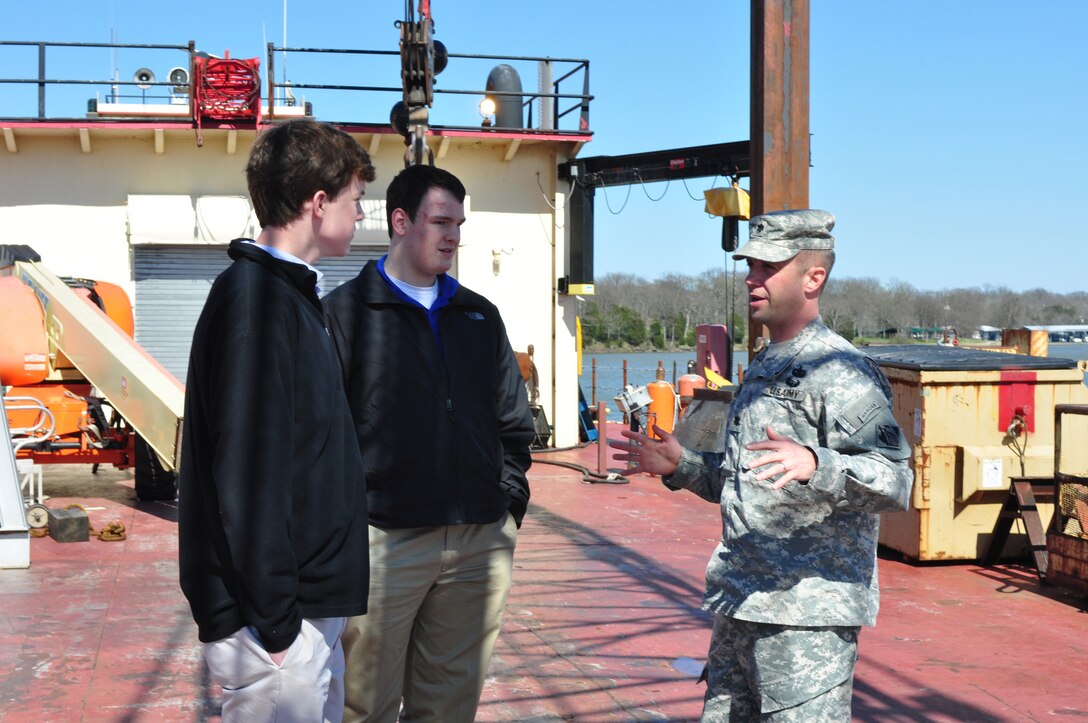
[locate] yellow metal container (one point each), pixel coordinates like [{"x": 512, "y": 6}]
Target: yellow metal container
[{"x": 956, "y": 407}]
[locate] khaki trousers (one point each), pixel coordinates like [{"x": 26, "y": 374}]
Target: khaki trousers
[
  {"x": 435, "y": 609},
  {"x": 306, "y": 688}
]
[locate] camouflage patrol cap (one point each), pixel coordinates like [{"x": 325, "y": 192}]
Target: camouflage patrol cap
[{"x": 778, "y": 236}]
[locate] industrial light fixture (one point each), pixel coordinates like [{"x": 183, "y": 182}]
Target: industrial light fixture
[{"x": 487, "y": 110}]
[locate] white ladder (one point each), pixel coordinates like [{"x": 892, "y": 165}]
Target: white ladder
[{"x": 14, "y": 530}]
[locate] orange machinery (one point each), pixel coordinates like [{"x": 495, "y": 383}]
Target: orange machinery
[{"x": 76, "y": 386}]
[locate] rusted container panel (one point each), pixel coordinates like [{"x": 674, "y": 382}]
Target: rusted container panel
[
  {"x": 1067, "y": 540},
  {"x": 1068, "y": 561},
  {"x": 957, "y": 407}
]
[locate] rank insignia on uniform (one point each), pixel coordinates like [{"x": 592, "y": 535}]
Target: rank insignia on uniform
[{"x": 887, "y": 435}]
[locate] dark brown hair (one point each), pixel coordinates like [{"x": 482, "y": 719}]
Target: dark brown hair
[{"x": 291, "y": 162}]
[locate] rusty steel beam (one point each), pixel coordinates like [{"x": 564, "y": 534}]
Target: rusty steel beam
[
  {"x": 779, "y": 110},
  {"x": 780, "y": 105}
]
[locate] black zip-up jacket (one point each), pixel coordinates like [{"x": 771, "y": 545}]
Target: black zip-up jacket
[
  {"x": 443, "y": 423},
  {"x": 272, "y": 519}
]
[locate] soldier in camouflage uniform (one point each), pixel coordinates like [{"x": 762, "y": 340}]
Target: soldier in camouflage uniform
[{"x": 812, "y": 456}]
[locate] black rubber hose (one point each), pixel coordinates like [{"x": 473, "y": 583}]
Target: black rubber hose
[{"x": 587, "y": 475}]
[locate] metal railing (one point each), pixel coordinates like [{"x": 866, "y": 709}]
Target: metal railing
[
  {"x": 43, "y": 82},
  {"x": 566, "y": 112},
  {"x": 282, "y": 93}
]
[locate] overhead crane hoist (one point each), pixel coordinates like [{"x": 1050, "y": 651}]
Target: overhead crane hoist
[
  {"x": 77, "y": 388},
  {"x": 421, "y": 59}
]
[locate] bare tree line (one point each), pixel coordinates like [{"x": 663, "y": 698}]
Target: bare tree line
[{"x": 631, "y": 311}]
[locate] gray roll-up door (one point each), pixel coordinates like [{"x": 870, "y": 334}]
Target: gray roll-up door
[
  {"x": 342, "y": 269},
  {"x": 172, "y": 283}
]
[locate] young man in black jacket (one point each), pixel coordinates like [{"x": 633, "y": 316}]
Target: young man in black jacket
[
  {"x": 443, "y": 421},
  {"x": 272, "y": 511}
]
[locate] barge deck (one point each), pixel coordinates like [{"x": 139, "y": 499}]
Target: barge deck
[{"x": 603, "y": 623}]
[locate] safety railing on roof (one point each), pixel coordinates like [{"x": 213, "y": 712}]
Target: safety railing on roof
[
  {"x": 554, "y": 108},
  {"x": 141, "y": 88},
  {"x": 157, "y": 81}
]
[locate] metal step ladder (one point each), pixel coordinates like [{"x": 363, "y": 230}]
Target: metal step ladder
[{"x": 1024, "y": 492}]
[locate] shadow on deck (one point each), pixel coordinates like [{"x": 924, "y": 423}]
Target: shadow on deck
[{"x": 603, "y": 623}]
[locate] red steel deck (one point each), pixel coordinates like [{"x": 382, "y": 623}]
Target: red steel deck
[{"x": 603, "y": 623}]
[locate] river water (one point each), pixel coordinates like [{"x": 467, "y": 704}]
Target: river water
[{"x": 642, "y": 366}]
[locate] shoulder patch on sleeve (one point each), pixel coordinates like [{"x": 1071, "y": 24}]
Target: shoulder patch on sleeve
[
  {"x": 862, "y": 410},
  {"x": 887, "y": 435}
]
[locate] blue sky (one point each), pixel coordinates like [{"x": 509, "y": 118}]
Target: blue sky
[{"x": 949, "y": 138}]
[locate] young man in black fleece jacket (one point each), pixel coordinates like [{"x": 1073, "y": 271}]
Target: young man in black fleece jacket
[
  {"x": 444, "y": 424},
  {"x": 272, "y": 510}
]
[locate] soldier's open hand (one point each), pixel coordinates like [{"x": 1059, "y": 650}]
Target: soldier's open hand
[
  {"x": 653, "y": 456},
  {"x": 787, "y": 459}
]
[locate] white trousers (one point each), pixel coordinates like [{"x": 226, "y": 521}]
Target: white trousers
[{"x": 308, "y": 686}]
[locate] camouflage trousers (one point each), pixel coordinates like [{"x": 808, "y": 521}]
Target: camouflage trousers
[{"x": 779, "y": 673}]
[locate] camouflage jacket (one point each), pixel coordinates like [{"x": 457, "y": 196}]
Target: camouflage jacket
[{"x": 805, "y": 554}]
